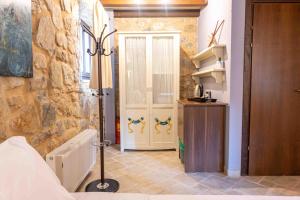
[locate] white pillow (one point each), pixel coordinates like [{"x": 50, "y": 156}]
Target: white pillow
[{"x": 24, "y": 175}]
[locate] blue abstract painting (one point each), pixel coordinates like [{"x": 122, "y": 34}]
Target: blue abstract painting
[{"x": 15, "y": 38}]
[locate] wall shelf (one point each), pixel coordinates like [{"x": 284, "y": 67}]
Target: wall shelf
[
  {"x": 217, "y": 51},
  {"x": 217, "y": 73}
]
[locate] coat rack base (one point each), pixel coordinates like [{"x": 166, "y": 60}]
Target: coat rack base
[{"x": 109, "y": 185}]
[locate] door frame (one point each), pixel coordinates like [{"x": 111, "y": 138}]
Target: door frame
[{"x": 247, "y": 79}]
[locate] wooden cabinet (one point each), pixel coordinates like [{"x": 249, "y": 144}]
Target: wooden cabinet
[
  {"x": 201, "y": 128},
  {"x": 149, "y": 89}
]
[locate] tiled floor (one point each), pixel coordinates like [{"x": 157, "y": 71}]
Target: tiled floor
[{"x": 160, "y": 172}]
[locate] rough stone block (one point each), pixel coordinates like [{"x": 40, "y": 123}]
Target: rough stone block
[
  {"x": 15, "y": 82},
  {"x": 75, "y": 110},
  {"x": 68, "y": 74},
  {"x": 15, "y": 101},
  {"x": 59, "y": 128},
  {"x": 62, "y": 55},
  {"x": 26, "y": 121},
  {"x": 56, "y": 13},
  {"x": 40, "y": 83},
  {"x": 61, "y": 40},
  {"x": 3, "y": 135},
  {"x": 2, "y": 124},
  {"x": 70, "y": 123},
  {"x": 39, "y": 138},
  {"x": 72, "y": 45},
  {"x": 46, "y": 34},
  {"x": 56, "y": 76},
  {"x": 48, "y": 114},
  {"x": 66, "y": 5},
  {"x": 39, "y": 61}
]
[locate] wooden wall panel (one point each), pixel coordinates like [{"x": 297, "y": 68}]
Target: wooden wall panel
[
  {"x": 156, "y": 4},
  {"x": 156, "y": 13}
]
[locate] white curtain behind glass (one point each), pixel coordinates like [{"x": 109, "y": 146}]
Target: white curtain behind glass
[
  {"x": 136, "y": 70},
  {"x": 163, "y": 70}
]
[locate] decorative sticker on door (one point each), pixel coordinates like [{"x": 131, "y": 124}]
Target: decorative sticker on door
[
  {"x": 136, "y": 122},
  {"x": 159, "y": 123}
]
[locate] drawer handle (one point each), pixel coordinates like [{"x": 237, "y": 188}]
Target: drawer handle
[{"x": 298, "y": 90}]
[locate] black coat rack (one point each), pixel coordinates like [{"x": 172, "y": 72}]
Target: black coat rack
[{"x": 101, "y": 185}]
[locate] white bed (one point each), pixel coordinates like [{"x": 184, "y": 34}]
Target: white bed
[
  {"x": 24, "y": 175},
  {"x": 127, "y": 196},
  {"x": 109, "y": 196}
]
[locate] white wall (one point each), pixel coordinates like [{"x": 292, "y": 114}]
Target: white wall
[
  {"x": 236, "y": 86},
  {"x": 214, "y": 11},
  {"x": 233, "y": 12}
]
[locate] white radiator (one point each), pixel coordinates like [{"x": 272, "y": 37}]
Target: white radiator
[{"x": 73, "y": 160}]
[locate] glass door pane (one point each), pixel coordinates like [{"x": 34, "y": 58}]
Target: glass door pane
[
  {"x": 163, "y": 70},
  {"x": 136, "y": 68}
]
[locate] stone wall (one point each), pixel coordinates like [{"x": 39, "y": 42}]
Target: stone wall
[
  {"x": 51, "y": 107},
  {"x": 189, "y": 37}
]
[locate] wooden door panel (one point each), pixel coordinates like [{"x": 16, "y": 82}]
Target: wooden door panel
[
  {"x": 215, "y": 138},
  {"x": 275, "y": 106},
  {"x": 195, "y": 139}
]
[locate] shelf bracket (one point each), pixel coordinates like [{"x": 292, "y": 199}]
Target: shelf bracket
[{"x": 218, "y": 76}]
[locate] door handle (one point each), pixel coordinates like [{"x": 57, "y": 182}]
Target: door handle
[{"x": 297, "y": 90}]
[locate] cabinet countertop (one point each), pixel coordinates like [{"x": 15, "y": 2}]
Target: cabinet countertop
[{"x": 186, "y": 102}]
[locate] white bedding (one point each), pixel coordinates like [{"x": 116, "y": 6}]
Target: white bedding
[
  {"x": 24, "y": 175},
  {"x": 109, "y": 196},
  {"x": 128, "y": 196}
]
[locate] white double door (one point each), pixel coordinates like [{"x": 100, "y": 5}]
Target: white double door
[{"x": 149, "y": 89}]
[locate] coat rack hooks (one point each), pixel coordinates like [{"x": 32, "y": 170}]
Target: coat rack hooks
[{"x": 101, "y": 185}]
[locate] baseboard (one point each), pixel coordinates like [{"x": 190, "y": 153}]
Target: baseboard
[{"x": 233, "y": 173}]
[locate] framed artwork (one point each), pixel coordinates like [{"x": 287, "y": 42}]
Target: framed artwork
[{"x": 15, "y": 38}]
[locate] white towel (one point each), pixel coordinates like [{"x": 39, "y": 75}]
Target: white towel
[{"x": 100, "y": 19}]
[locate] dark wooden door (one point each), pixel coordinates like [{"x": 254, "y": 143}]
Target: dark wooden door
[{"x": 275, "y": 90}]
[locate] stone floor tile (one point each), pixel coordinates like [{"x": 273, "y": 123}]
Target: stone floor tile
[
  {"x": 161, "y": 172},
  {"x": 283, "y": 181},
  {"x": 254, "y": 179},
  {"x": 242, "y": 183},
  {"x": 216, "y": 182}
]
